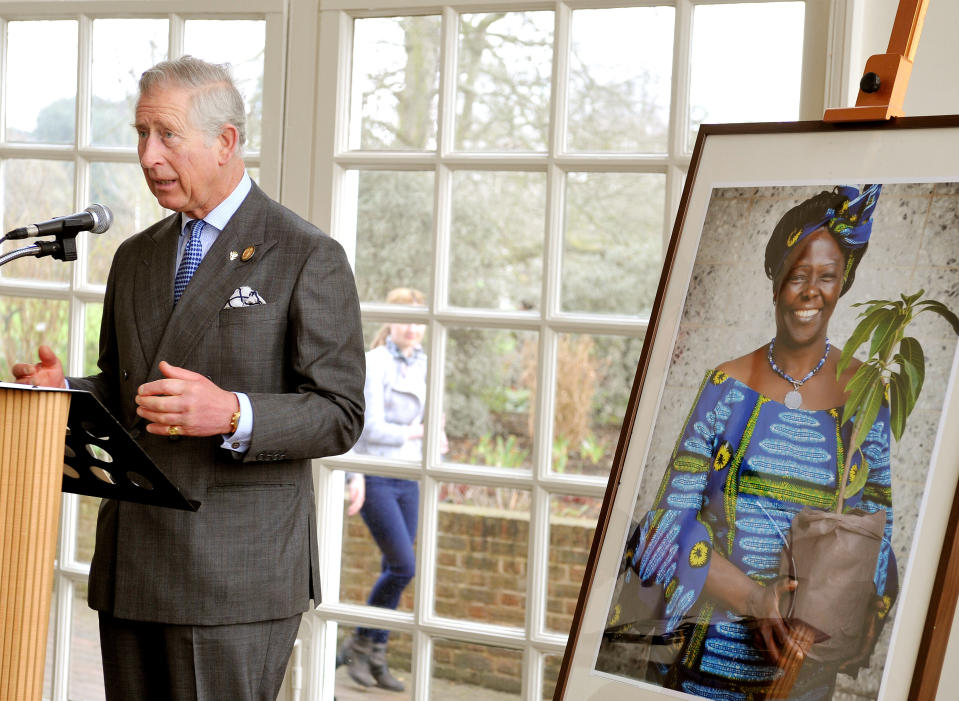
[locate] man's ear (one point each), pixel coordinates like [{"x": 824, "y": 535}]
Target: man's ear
[{"x": 228, "y": 142}]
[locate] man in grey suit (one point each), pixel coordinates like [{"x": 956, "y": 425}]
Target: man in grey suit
[{"x": 231, "y": 349}]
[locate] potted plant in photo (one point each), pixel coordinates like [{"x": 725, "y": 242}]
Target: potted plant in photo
[{"x": 833, "y": 554}]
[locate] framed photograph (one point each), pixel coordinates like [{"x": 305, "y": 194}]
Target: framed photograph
[{"x": 780, "y": 513}]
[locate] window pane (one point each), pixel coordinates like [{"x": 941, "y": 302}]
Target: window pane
[
  {"x": 572, "y": 522},
  {"x": 240, "y": 43},
  {"x": 619, "y": 82},
  {"x": 41, "y": 95},
  {"x": 488, "y": 401},
  {"x": 87, "y": 508},
  {"x": 93, "y": 312},
  {"x": 551, "y": 667},
  {"x": 122, "y": 50},
  {"x": 394, "y": 232},
  {"x": 477, "y": 672},
  {"x": 481, "y": 554},
  {"x": 503, "y": 81},
  {"x": 396, "y": 64},
  {"x": 613, "y": 242},
  {"x": 745, "y": 63},
  {"x": 361, "y": 562},
  {"x": 594, "y": 376},
  {"x": 86, "y": 679},
  {"x": 121, "y": 187},
  {"x": 498, "y": 230},
  {"x": 398, "y": 659},
  {"x": 26, "y": 323},
  {"x": 35, "y": 191}
]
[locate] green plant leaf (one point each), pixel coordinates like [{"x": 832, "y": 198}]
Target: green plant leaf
[
  {"x": 871, "y": 303},
  {"x": 866, "y": 417},
  {"x": 901, "y": 404},
  {"x": 886, "y": 334},
  {"x": 862, "y": 331},
  {"x": 914, "y": 362},
  {"x": 857, "y": 483},
  {"x": 942, "y": 310},
  {"x": 859, "y": 387},
  {"x": 910, "y": 299}
]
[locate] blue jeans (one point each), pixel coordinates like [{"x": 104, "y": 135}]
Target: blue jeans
[{"x": 390, "y": 512}]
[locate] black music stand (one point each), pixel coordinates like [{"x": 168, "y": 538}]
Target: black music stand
[{"x": 102, "y": 460}]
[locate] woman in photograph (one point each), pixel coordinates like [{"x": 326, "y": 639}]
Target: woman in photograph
[
  {"x": 762, "y": 441},
  {"x": 395, "y": 394}
]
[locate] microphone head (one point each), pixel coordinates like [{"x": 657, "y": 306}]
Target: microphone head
[{"x": 102, "y": 216}]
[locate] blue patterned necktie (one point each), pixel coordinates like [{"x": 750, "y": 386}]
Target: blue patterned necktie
[{"x": 192, "y": 255}]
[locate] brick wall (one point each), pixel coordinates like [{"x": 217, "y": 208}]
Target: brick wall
[{"x": 481, "y": 576}]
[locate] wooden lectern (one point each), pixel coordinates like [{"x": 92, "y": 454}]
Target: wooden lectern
[
  {"x": 32, "y": 426},
  {"x": 53, "y": 440}
]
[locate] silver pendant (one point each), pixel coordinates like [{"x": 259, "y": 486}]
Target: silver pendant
[{"x": 793, "y": 399}]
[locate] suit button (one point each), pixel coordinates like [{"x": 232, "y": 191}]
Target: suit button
[
  {"x": 134, "y": 433},
  {"x": 261, "y": 456}
]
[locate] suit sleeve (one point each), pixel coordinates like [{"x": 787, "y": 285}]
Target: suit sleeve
[{"x": 322, "y": 413}]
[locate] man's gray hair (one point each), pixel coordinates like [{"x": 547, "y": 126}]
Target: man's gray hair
[{"x": 215, "y": 100}]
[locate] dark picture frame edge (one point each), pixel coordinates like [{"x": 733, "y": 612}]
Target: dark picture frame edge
[{"x": 945, "y": 592}]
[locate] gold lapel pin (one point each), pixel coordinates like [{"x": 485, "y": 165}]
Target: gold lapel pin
[
  {"x": 247, "y": 253},
  {"x": 233, "y": 255}
]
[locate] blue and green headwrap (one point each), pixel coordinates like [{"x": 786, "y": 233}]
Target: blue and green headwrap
[{"x": 845, "y": 212}]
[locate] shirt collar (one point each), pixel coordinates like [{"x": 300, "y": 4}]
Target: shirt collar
[
  {"x": 223, "y": 212},
  {"x": 398, "y": 354}
]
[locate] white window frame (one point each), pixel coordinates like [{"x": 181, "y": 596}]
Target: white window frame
[
  {"x": 77, "y": 292},
  {"x": 327, "y": 195}
]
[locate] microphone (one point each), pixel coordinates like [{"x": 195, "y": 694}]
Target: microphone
[{"x": 96, "y": 219}]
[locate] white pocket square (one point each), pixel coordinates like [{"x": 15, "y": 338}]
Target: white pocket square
[{"x": 244, "y": 297}]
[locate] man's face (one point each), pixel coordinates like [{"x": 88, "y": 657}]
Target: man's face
[{"x": 183, "y": 167}]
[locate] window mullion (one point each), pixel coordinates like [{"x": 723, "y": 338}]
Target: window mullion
[
  {"x": 271, "y": 137},
  {"x": 3, "y": 92},
  {"x": 679, "y": 98},
  {"x": 176, "y": 36}
]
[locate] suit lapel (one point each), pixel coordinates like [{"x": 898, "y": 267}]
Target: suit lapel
[
  {"x": 154, "y": 285},
  {"x": 218, "y": 275}
]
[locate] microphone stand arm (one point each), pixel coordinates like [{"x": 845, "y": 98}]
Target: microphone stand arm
[{"x": 63, "y": 248}]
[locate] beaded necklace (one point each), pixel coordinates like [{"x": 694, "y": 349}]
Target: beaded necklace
[{"x": 793, "y": 397}]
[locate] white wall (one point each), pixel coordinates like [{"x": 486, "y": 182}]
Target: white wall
[{"x": 932, "y": 90}]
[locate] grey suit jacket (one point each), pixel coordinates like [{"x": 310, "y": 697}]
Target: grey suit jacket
[{"x": 250, "y": 552}]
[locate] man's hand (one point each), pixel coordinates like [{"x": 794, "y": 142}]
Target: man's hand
[
  {"x": 47, "y": 373},
  {"x": 186, "y": 400}
]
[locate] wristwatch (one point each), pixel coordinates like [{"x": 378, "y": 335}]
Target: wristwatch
[{"x": 234, "y": 422}]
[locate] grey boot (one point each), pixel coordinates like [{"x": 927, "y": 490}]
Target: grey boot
[
  {"x": 343, "y": 654},
  {"x": 359, "y": 661},
  {"x": 379, "y": 670}
]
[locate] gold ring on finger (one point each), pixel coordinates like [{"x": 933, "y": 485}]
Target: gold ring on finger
[{"x": 173, "y": 431}]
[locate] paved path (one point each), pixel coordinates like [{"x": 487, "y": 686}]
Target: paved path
[{"x": 348, "y": 690}]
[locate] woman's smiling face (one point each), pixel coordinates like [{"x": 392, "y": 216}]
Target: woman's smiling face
[{"x": 809, "y": 291}]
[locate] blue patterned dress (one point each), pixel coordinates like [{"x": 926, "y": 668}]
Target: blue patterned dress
[{"x": 742, "y": 468}]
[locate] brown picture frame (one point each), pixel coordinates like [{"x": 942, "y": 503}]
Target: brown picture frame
[{"x": 919, "y": 152}]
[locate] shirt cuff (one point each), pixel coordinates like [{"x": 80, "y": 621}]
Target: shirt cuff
[{"x": 239, "y": 442}]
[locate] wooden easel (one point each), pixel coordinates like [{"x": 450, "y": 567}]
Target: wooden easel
[{"x": 882, "y": 88}]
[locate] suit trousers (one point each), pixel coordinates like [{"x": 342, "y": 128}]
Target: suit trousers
[{"x": 144, "y": 661}]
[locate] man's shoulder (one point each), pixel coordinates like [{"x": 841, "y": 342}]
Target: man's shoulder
[{"x": 280, "y": 221}]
